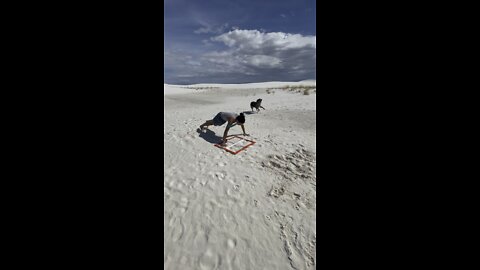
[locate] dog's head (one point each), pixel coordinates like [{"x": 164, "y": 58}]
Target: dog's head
[{"x": 259, "y": 100}]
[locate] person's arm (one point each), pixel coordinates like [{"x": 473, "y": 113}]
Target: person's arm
[
  {"x": 225, "y": 134},
  {"x": 243, "y": 128},
  {"x": 229, "y": 124}
]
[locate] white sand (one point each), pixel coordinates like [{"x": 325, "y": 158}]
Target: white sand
[{"x": 253, "y": 210}]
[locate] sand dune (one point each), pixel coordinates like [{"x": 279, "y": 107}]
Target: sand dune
[{"x": 254, "y": 210}]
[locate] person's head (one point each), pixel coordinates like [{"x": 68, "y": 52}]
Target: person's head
[{"x": 241, "y": 118}]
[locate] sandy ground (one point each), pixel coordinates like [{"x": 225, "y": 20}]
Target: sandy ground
[{"x": 253, "y": 210}]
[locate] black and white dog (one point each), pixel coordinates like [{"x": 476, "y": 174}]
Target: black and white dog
[{"x": 256, "y": 104}]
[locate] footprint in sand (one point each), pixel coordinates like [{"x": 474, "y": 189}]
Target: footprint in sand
[
  {"x": 208, "y": 261},
  {"x": 200, "y": 240},
  {"x": 183, "y": 205},
  {"x": 177, "y": 230},
  {"x": 220, "y": 175},
  {"x": 231, "y": 243}
]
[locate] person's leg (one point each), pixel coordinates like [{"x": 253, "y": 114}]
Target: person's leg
[{"x": 207, "y": 123}]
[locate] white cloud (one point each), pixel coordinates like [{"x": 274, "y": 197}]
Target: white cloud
[
  {"x": 254, "y": 39},
  {"x": 260, "y": 50},
  {"x": 250, "y": 55},
  {"x": 210, "y": 29},
  {"x": 263, "y": 61}
]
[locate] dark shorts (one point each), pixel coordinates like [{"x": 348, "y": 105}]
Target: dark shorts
[{"x": 218, "y": 121}]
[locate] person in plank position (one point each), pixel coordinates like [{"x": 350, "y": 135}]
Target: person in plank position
[{"x": 223, "y": 117}]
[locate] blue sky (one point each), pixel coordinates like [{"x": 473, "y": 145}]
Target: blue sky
[{"x": 239, "y": 41}]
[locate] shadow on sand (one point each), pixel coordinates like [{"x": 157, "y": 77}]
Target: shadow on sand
[
  {"x": 209, "y": 136},
  {"x": 248, "y": 112}
]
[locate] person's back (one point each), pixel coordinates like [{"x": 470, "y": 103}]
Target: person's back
[{"x": 226, "y": 115}]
